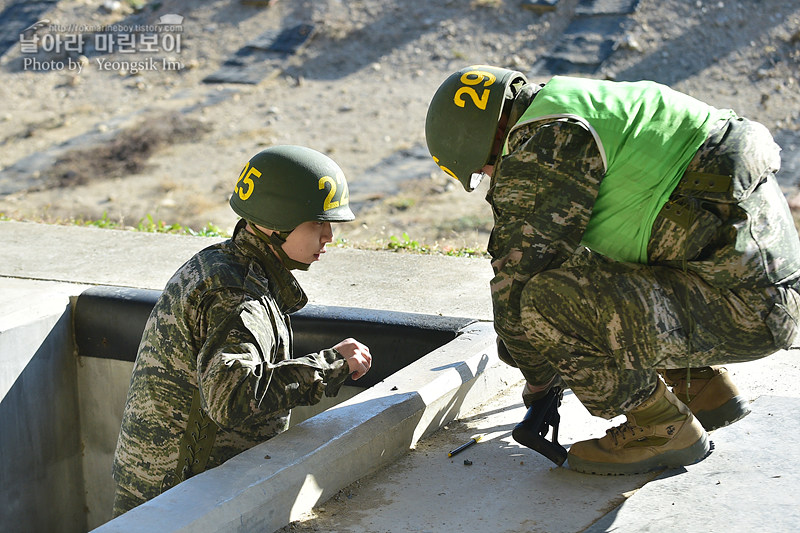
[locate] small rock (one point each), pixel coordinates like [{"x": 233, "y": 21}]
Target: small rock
[
  {"x": 112, "y": 6},
  {"x": 540, "y": 6},
  {"x": 631, "y": 43}
]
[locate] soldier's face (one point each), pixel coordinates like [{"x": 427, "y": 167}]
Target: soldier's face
[{"x": 306, "y": 243}]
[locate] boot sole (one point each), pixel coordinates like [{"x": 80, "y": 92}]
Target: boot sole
[
  {"x": 728, "y": 413},
  {"x": 669, "y": 459}
]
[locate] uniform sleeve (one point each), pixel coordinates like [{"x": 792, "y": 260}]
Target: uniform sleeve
[
  {"x": 242, "y": 372},
  {"x": 542, "y": 198}
]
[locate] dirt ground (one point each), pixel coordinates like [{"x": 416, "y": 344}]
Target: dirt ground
[{"x": 160, "y": 144}]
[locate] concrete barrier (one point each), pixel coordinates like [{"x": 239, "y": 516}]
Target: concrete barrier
[
  {"x": 64, "y": 377},
  {"x": 275, "y": 482}
]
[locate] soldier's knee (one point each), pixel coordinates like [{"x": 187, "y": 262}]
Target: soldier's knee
[
  {"x": 549, "y": 302},
  {"x": 547, "y": 292}
]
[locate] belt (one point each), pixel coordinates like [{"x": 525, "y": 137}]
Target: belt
[
  {"x": 693, "y": 182},
  {"x": 678, "y": 208}
]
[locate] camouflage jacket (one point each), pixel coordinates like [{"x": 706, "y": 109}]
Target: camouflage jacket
[
  {"x": 544, "y": 188},
  {"x": 221, "y": 328}
]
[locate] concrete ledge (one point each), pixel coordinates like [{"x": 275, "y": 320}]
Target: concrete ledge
[{"x": 273, "y": 483}]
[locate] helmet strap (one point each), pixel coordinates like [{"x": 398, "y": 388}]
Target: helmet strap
[
  {"x": 276, "y": 240},
  {"x": 505, "y": 113}
]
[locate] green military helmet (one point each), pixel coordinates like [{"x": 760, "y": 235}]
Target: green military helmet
[
  {"x": 462, "y": 118},
  {"x": 283, "y": 186}
]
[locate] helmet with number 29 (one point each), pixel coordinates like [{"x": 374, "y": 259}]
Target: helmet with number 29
[
  {"x": 463, "y": 116},
  {"x": 283, "y": 186}
]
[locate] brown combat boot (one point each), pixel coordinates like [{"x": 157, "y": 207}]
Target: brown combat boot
[
  {"x": 709, "y": 393},
  {"x": 660, "y": 433}
]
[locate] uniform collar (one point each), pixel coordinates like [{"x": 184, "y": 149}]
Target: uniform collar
[
  {"x": 283, "y": 285},
  {"x": 522, "y": 102}
]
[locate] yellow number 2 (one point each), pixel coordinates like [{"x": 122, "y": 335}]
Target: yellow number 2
[
  {"x": 445, "y": 169},
  {"x": 328, "y": 204}
]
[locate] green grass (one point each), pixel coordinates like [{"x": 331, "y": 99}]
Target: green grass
[
  {"x": 407, "y": 244},
  {"x": 145, "y": 225},
  {"x": 148, "y": 224}
]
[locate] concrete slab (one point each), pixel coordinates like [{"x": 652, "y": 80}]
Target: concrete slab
[
  {"x": 26, "y": 301},
  {"x": 346, "y": 277},
  {"x": 507, "y": 487},
  {"x": 510, "y": 488},
  {"x": 93, "y": 256},
  {"x": 748, "y": 483},
  {"x": 590, "y": 8}
]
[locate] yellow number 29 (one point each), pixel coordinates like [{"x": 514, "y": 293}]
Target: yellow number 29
[{"x": 474, "y": 77}]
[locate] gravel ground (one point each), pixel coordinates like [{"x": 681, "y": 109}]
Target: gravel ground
[{"x": 160, "y": 144}]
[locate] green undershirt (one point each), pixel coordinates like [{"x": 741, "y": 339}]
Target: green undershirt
[{"x": 647, "y": 133}]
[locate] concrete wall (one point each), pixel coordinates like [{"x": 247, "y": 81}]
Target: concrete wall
[
  {"x": 102, "y": 386},
  {"x": 64, "y": 380},
  {"x": 42, "y": 484}
]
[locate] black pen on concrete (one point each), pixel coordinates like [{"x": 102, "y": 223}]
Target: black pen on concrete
[{"x": 464, "y": 446}]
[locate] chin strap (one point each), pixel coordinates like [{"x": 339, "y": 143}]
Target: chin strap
[{"x": 276, "y": 241}]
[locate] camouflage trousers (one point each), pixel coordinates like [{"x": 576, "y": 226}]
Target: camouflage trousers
[
  {"x": 124, "y": 501},
  {"x": 606, "y": 327},
  {"x": 717, "y": 289}
]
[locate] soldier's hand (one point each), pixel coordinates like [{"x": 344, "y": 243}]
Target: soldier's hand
[{"x": 357, "y": 356}]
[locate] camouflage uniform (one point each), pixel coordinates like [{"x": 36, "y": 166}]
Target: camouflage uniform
[
  {"x": 219, "y": 329},
  {"x": 717, "y": 286}
]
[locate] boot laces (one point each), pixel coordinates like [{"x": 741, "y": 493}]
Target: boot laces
[{"x": 618, "y": 434}]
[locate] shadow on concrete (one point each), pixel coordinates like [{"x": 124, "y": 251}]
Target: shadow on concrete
[{"x": 41, "y": 467}]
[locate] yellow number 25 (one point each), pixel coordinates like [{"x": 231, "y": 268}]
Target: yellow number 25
[{"x": 245, "y": 178}]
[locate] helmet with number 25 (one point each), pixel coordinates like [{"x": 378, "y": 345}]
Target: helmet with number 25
[
  {"x": 283, "y": 186},
  {"x": 462, "y": 118}
]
